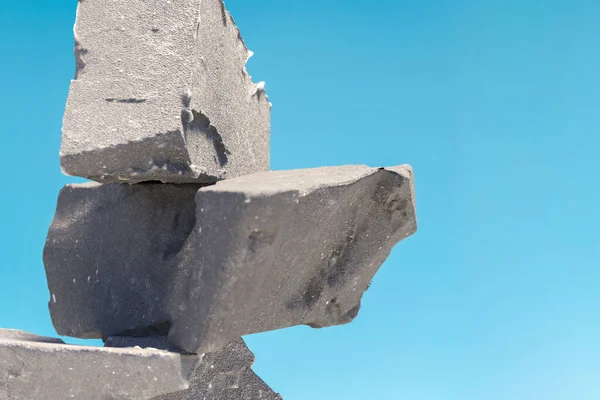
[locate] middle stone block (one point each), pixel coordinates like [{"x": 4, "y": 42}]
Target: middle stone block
[{"x": 209, "y": 264}]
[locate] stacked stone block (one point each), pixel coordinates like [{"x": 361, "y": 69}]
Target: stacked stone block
[
  {"x": 161, "y": 93},
  {"x": 187, "y": 241}
]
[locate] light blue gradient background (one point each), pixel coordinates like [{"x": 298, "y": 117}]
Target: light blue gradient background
[{"x": 496, "y": 105}]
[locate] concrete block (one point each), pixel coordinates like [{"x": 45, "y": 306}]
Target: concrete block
[
  {"x": 207, "y": 265},
  {"x": 161, "y": 93},
  {"x": 35, "y": 368}
]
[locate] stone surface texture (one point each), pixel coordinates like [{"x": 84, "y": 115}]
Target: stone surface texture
[
  {"x": 38, "y": 368},
  {"x": 223, "y": 375},
  {"x": 161, "y": 93},
  {"x": 210, "y": 264}
]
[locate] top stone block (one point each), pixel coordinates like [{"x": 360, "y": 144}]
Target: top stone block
[{"x": 161, "y": 93}]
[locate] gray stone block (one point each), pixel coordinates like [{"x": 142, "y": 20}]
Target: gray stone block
[
  {"x": 36, "y": 368},
  {"x": 222, "y": 375},
  {"x": 246, "y": 255},
  {"x": 113, "y": 255},
  {"x": 161, "y": 93}
]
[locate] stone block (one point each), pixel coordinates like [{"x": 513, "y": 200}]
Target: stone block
[
  {"x": 35, "y": 368},
  {"x": 207, "y": 265},
  {"x": 161, "y": 93}
]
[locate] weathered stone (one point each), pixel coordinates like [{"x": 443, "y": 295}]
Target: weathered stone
[
  {"x": 247, "y": 255},
  {"x": 161, "y": 93},
  {"x": 35, "y": 368},
  {"x": 222, "y": 375}
]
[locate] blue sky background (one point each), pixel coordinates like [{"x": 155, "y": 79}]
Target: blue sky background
[{"x": 495, "y": 103}]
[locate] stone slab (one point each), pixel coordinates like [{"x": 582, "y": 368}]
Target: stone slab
[
  {"x": 35, "y": 368},
  {"x": 223, "y": 375},
  {"x": 208, "y": 265},
  {"x": 161, "y": 93}
]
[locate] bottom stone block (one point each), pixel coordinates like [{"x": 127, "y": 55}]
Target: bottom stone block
[{"x": 40, "y": 368}]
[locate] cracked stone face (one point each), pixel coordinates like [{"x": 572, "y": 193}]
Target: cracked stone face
[
  {"x": 207, "y": 265},
  {"x": 223, "y": 375},
  {"x": 161, "y": 93},
  {"x": 34, "y": 368}
]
